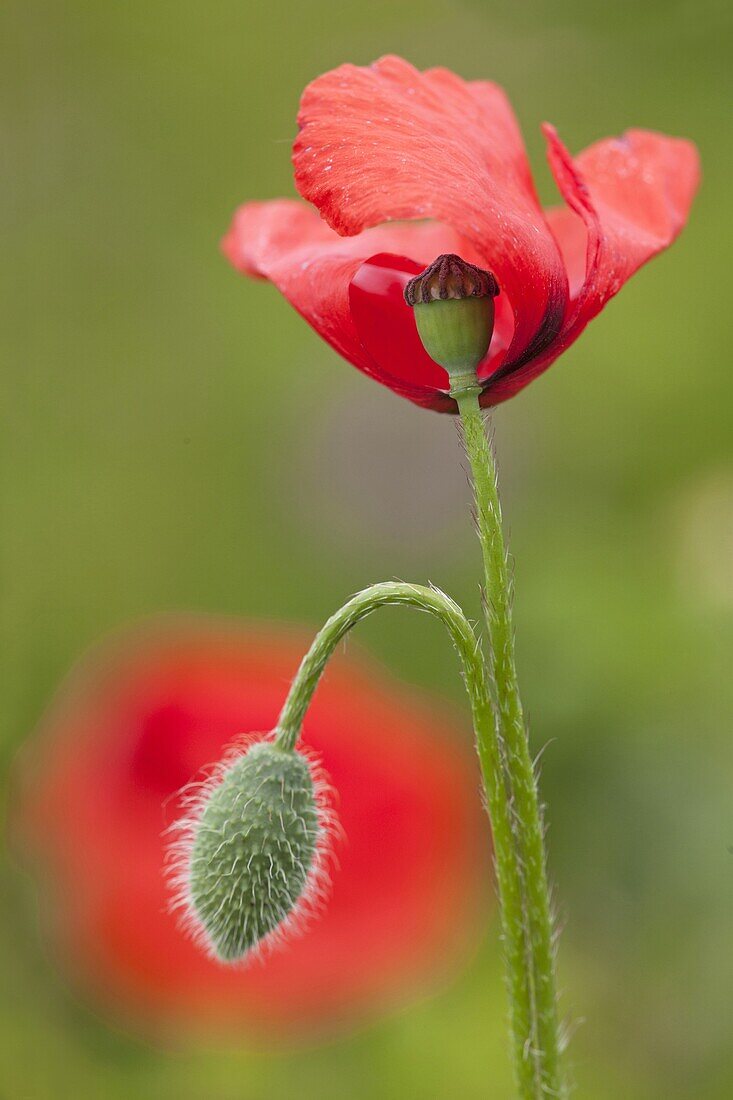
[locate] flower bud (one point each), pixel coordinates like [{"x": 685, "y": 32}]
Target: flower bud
[
  {"x": 454, "y": 312},
  {"x": 250, "y": 863}
]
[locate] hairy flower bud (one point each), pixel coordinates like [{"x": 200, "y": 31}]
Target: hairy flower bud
[
  {"x": 250, "y": 862},
  {"x": 454, "y": 312}
]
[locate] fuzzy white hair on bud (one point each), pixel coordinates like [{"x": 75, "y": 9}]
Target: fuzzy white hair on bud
[{"x": 249, "y": 864}]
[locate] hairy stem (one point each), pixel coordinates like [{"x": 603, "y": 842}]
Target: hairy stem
[
  {"x": 539, "y": 1067},
  {"x": 388, "y": 593},
  {"x": 508, "y": 868}
]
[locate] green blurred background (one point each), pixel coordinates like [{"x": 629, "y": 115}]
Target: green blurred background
[{"x": 147, "y": 466}]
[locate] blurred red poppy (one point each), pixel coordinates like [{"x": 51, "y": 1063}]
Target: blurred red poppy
[
  {"x": 387, "y": 142},
  {"x": 139, "y": 721}
]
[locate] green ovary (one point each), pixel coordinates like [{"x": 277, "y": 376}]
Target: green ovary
[{"x": 456, "y": 333}]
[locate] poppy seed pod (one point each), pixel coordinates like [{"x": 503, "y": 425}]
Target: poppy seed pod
[
  {"x": 453, "y": 304},
  {"x": 250, "y": 863}
]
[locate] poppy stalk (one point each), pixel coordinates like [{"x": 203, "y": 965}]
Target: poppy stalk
[{"x": 454, "y": 306}]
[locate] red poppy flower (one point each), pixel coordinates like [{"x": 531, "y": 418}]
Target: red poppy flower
[
  {"x": 380, "y": 144},
  {"x": 102, "y": 782}
]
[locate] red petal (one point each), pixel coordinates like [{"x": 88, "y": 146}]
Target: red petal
[
  {"x": 633, "y": 194},
  {"x": 388, "y": 142},
  {"x": 628, "y": 198},
  {"x": 287, "y": 243},
  {"x": 314, "y": 267}
]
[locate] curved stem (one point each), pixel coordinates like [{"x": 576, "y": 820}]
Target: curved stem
[
  {"x": 508, "y": 869},
  {"x": 430, "y": 600},
  {"x": 542, "y": 1049}
]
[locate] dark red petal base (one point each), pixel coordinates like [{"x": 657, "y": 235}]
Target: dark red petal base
[{"x": 386, "y": 328}]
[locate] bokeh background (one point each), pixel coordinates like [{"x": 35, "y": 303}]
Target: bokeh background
[{"x": 149, "y": 464}]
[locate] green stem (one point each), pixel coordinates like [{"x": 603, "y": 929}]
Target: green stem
[
  {"x": 541, "y": 1049},
  {"x": 430, "y": 600},
  {"x": 508, "y": 868}
]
